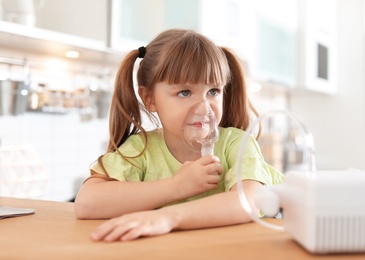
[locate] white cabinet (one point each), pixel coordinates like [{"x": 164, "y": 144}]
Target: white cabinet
[
  {"x": 271, "y": 28},
  {"x": 74, "y": 17},
  {"x": 318, "y": 45},
  {"x": 57, "y": 26},
  {"x": 137, "y": 22},
  {"x": 263, "y": 33},
  {"x": 292, "y": 43}
]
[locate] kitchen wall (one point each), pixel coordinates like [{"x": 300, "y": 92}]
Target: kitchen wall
[
  {"x": 65, "y": 145},
  {"x": 338, "y": 121}
]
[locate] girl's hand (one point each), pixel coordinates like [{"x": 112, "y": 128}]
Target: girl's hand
[
  {"x": 199, "y": 176},
  {"x": 134, "y": 225}
]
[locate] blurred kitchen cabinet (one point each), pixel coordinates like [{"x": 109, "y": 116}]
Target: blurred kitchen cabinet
[
  {"x": 52, "y": 27},
  {"x": 277, "y": 41},
  {"x": 292, "y": 43},
  {"x": 268, "y": 39},
  {"x": 318, "y": 48},
  {"x": 136, "y": 22},
  {"x": 74, "y": 17},
  {"x": 31, "y": 40},
  {"x": 262, "y": 32}
]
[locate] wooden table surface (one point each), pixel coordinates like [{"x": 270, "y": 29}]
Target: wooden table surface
[{"x": 54, "y": 232}]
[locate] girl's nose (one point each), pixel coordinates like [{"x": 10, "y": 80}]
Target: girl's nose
[{"x": 203, "y": 107}]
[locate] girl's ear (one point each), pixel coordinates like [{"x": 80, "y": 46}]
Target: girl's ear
[{"x": 147, "y": 98}]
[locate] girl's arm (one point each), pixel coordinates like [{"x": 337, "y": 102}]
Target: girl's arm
[
  {"x": 102, "y": 199},
  {"x": 218, "y": 210},
  {"x": 99, "y": 198}
]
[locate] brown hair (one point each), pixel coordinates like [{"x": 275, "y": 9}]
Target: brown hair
[{"x": 177, "y": 56}]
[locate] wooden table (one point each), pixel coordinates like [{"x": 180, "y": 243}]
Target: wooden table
[{"x": 53, "y": 232}]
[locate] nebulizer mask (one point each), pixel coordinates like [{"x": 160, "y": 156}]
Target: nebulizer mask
[{"x": 200, "y": 131}]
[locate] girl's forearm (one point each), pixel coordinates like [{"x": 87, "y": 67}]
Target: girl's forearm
[
  {"x": 100, "y": 199},
  {"x": 213, "y": 211}
]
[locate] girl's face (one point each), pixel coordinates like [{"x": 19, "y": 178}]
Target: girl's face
[{"x": 173, "y": 103}]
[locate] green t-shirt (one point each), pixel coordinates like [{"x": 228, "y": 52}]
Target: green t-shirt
[{"x": 158, "y": 163}]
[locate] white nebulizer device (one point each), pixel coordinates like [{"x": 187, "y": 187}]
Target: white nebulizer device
[{"x": 324, "y": 211}]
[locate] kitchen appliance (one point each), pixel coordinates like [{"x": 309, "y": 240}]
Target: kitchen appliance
[{"x": 13, "y": 97}]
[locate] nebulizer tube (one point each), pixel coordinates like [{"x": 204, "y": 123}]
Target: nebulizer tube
[
  {"x": 200, "y": 130},
  {"x": 270, "y": 195}
]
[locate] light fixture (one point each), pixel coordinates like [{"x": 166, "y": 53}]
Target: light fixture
[{"x": 72, "y": 54}]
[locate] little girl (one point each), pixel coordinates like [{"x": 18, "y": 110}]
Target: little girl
[{"x": 151, "y": 182}]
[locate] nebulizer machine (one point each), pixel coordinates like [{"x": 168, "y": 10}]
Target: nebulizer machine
[{"x": 324, "y": 211}]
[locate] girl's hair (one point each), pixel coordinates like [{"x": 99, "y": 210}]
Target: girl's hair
[{"x": 177, "y": 56}]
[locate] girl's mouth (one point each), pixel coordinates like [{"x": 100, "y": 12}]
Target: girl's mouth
[{"x": 197, "y": 124}]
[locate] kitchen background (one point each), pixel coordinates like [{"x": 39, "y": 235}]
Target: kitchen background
[{"x": 58, "y": 61}]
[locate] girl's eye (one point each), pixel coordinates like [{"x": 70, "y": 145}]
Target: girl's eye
[
  {"x": 184, "y": 93},
  {"x": 213, "y": 92}
]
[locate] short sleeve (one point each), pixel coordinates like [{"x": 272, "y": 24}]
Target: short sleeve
[
  {"x": 127, "y": 167},
  {"x": 253, "y": 165}
]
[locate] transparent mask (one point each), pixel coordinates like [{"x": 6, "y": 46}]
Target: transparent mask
[{"x": 200, "y": 131}]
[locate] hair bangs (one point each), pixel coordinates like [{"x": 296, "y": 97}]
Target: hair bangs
[{"x": 201, "y": 62}]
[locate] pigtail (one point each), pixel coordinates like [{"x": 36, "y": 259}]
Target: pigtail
[
  {"x": 236, "y": 98},
  {"x": 125, "y": 115}
]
